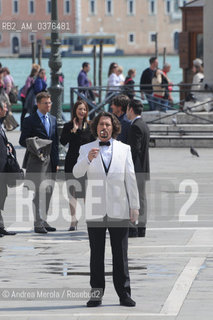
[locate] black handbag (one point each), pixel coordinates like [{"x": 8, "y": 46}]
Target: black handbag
[
  {"x": 13, "y": 95},
  {"x": 15, "y": 175}
]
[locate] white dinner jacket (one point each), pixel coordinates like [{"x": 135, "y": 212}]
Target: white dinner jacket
[{"x": 111, "y": 194}]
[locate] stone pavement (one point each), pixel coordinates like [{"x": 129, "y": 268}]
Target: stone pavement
[{"x": 171, "y": 269}]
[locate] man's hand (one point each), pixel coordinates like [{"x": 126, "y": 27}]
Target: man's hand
[
  {"x": 134, "y": 213},
  {"x": 10, "y": 148},
  {"x": 142, "y": 96},
  {"x": 93, "y": 154}
]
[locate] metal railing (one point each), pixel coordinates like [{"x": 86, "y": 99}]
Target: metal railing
[{"x": 177, "y": 107}]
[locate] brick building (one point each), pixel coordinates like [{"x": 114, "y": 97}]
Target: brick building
[
  {"x": 130, "y": 24},
  {"x": 24, "y": 21}
]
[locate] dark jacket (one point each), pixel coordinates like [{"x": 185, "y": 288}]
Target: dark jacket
[
  {"x": 39, "y": 85},
  {"x": 129, "y": 87},
  {"x": 146, "y": 81},
  {"x": 75, "y": 140},
  {"x": 138, "y": 139},
  {"x": 125, "y": 124},
  {"x": 33, "y": 127}
]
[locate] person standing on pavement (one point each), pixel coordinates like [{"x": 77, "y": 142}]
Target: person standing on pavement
[
  {"x": 83, "y": 81},
  {"x": 146, "y": 81},
  {"x": 119, "y": 106},
  {"x": 3, "y": 161},
  {"x": 75, "y": 133},
  {"x": 129, "y": 84},
  {"x": 40, "y": 83},
  {"x": 109, "y": 167},
  {"x": 138, "y": 139},
  {"x": 29, "y": 82},
  {"x": 166, "y": 69},
  {"x": 42, "y": 125}
]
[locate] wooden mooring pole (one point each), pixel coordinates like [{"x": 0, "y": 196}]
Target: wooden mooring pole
[
  {"x": 100, "y": 69},
  {"x": 33, "y": 52}
]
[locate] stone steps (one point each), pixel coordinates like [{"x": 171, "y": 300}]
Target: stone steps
[
  {"x": 156, "y": 117},
  {"x": 172, "y": 129}
]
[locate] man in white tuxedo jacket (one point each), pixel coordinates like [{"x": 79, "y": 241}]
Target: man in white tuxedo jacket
[{"x": 111, "y": 201}]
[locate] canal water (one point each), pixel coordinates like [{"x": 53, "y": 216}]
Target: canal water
[{"x": 20, "y": 69}]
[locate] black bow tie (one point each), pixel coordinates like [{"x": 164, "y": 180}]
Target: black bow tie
[{"x": 102, "y": 143}]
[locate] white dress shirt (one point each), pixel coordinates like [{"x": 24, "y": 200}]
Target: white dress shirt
[{"x": 106, "y": 153}]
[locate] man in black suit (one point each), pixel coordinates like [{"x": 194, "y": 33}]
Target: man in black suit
[
  {"x": 146, "y": 81},
  {"x": 42, "y": 125},
  {"x": 3, "y": 161},
  {"x": 138, "y": 139}
]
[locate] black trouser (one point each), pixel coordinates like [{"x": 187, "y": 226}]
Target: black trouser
[
  {"x": 41, "y": 207},
  {"x": 41, "y": 200},
  {"x": 119, "y": 245},
  {"x": 3, "y": 196},
  {"x": 142, "y": 219}
]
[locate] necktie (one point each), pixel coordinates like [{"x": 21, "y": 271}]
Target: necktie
[
  {"x": 46, "y": 123},
  {"x": 102, "y": 143}
]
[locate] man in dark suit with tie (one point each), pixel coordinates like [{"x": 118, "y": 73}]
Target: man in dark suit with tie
[
  {"x": 3, "y": 161},
  {"x": 138, "y": 139},
  {"x": 109, "y": 168},
  {"x": 42, "y": 125}
]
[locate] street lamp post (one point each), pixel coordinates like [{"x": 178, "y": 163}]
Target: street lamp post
[{"x": 56, "y": 89}]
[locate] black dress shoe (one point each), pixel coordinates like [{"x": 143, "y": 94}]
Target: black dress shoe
[
  {"x": 48, "y": 227},
  {"x": 40, "y": 230},
  {"x": 7, "y": 233},
  {"x": 141, "y": 231},
  {"x": 1, "y": 235},
  {"x": 127, "y": 302},
  {"x": 93, "y": 303}
]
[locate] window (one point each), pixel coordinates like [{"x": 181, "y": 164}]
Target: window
[
  {"x": 131, "y": 7},
  {"x": 168, "y": 6},
  {"x": 108, "y": 7},
  {"x": 32, "y": 37},
  {"x": 176, "y": 5},
  {"x": 48, "y": 6},
  {"x": 152, "y": 7},
  {"x": 67, "y": 8},
  {"x": 15, "y": 6},
  {"x": 152, "y": 37},
  {"x": 31, "y": 6},
  {"x": 199, "y": 47},
  {"x": 131, "y": 38},
  {"x": 92, "y": 8}
]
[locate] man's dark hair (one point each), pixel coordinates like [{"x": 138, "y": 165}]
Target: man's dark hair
[
  {"x": 42, "y": 95},
  {"x": 116, "y": 127},
  {"x": 85, "y": 64},
  {"x": 121, "y": 101},
  {"x": 152, "y": 59},
  {"x": 137, "y": 106}
]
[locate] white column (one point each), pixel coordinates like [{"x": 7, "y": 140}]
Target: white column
[
  {"x": 78, "y": 16},
  {"x": 208, "y": 42}
]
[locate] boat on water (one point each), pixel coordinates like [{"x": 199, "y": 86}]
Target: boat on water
[{"x": 75, "y": 45}]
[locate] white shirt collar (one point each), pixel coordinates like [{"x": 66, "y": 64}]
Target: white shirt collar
[{"x": 135, "y": 119}]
